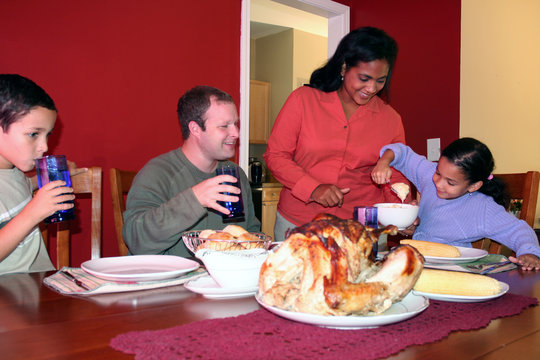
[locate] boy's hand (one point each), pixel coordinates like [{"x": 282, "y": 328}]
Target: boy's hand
[
  {"x": 526, "y": 261},
  {"x": 47, "y": 200},
  {"x": 209, "y": 192}
]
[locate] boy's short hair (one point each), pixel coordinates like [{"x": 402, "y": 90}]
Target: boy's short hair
[
  {"x": 19, "y": 95},
  {"x": 195, "y": 102}
]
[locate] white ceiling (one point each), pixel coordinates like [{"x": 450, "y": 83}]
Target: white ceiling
[{"x": 269, "y": 17}]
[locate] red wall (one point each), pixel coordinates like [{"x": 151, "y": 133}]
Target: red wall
[
  {"x": 425, "y": 84},
  {"x": 116, "y": 69}
]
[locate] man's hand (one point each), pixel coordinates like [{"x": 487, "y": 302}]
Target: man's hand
[
  {"x": 329, "y": 195},
  {"x": 210, "y": 191}
]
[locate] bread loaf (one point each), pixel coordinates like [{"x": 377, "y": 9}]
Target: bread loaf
[{"x": 235, "y": 230}]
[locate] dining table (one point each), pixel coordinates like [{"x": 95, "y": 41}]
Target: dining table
[{"x": 39, "y": 323}]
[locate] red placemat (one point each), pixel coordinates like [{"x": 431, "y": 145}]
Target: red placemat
[{"x": 263, "y": 335}]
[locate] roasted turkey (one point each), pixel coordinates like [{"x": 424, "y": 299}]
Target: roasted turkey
[{"x": 327, "y": 267}]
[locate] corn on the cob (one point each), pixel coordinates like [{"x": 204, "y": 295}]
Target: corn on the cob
[
  {"x": 429, "y": 248},
  {"x": 456, "y": 283}
]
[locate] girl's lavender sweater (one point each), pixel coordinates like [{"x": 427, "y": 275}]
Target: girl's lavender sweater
[{"x": 462, "y": 220}]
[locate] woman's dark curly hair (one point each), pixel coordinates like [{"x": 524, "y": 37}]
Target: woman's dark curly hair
[{"x": 364, "y": 44}]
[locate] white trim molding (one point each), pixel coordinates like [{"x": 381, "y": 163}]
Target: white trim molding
[{"x": 338, "y": 16}]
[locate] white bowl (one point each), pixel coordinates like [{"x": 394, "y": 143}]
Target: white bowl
[
  {"x": 400, "y": 215},
  {"x": 233, "y": 269}
]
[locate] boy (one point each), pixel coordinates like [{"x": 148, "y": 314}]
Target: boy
[{"x": 27, "y": 117}]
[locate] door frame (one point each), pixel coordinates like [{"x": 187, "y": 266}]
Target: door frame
[{"x": 338, "y": 16}]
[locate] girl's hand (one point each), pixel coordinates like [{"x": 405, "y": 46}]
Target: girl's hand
[
  {"x": 527, "y": 262},
  {"x": 48, "y": 200},
  {"x": 409, "y": 230},
  {"x": 381, "y": 173}
]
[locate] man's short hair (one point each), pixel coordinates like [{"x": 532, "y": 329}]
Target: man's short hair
[
  {"x": 19, "y": 95},
  {"x": 195, "y": 102}
]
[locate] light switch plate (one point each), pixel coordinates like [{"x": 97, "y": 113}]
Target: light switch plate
[{"x": 433, "y": 149}]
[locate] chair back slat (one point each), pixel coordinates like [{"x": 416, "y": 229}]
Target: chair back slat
[
  {"x": 89, "y": 182},
  {"x": 120, "y": 184}
]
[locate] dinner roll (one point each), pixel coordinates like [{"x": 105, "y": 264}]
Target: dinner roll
[
  {"x": 206, "y": 233},
  {"x": 220, "y": 245},
  {"x": 235, "y": 230},
  {"x": 254, "y": 241}
]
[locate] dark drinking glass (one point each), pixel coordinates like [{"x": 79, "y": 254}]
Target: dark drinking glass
[
  {"x": 367, "y": 216},
  {"x": 236, "y": 208},
  {"x": 51, "y": 168}
]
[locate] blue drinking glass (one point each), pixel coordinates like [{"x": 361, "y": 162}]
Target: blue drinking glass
[
  {"x": 236, "y": 208},
  {"x": 51, "y": 168}
]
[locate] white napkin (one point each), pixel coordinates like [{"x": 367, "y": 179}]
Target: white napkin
[{"x": 66, "y": 286}]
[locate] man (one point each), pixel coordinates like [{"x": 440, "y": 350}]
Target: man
[{"x": 178, "y": 191}]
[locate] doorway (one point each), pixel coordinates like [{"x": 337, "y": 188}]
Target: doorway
[{"x": 338, "y": 26}]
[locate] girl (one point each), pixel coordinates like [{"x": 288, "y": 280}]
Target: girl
[{"x": 461, "y": 200}]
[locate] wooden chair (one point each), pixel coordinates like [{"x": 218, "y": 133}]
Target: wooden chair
[
  {"x": 120, "y": 183},
  {"x": 522, "y": 186},
  {"x": 89, "y": 182}
]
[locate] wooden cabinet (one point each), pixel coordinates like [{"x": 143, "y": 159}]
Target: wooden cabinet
[
  {"x": 270, "y": 198},
  {"x": 259, "y": 112}
]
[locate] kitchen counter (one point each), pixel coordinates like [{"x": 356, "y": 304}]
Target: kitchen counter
[{"x": 265, "y": 199}]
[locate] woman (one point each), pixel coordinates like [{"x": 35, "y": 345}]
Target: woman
[{"x": 327, "y": 136}]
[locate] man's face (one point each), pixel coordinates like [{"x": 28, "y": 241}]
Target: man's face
[
  {"x": 218, "y": 141},
  {"x": 26, "y": 139}
]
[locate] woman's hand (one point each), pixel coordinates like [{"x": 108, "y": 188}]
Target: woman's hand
[
  {"x": 527, "y": 262},
  {"x": 329, "y": 195}
]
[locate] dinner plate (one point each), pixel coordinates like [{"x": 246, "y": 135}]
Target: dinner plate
[
  {"x": 139, "y": 267},
  {"x": 207, "y": 287},
  {"x": 467, "y": 255},
  {"x": 460, "y": 298},
  {"x": 410, "y": 306}
]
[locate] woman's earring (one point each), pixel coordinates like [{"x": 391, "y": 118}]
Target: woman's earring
[{"x": 341, "y": 77}]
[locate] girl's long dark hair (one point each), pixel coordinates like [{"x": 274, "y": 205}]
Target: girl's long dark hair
[
  {"x": 477, "y": 163},
  {"x": 361, "y": 45}
]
